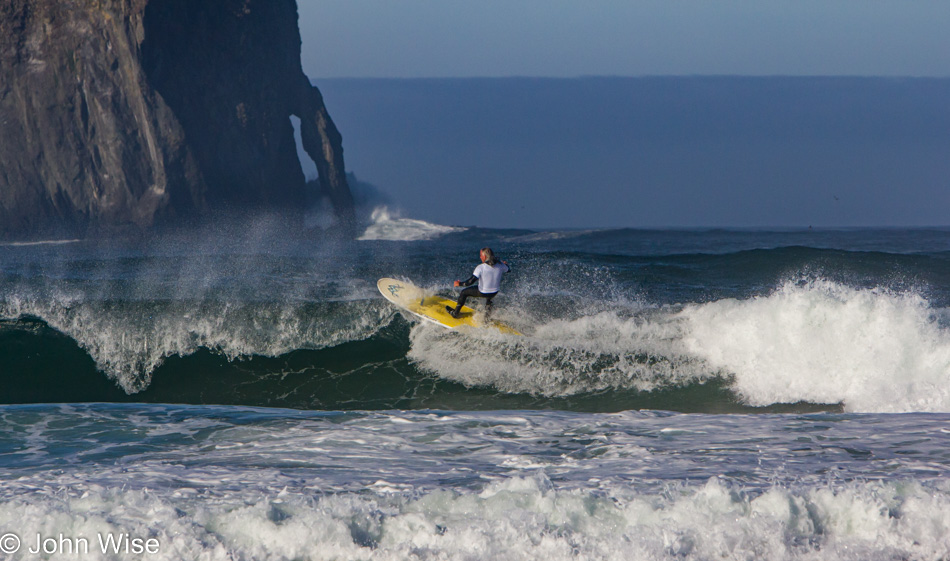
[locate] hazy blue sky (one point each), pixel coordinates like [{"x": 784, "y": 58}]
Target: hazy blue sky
[
  {"x": 566, "y": 38},
  {"x": 643, "y": 153}
]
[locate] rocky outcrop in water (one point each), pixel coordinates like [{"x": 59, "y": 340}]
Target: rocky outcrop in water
[{"x": 136, "y": 112}]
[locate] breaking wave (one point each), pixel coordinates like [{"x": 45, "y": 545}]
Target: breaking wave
[
  {"x": 129, "y": 340},
  {"x": 782, "y": 329},
  {"x": 871, "y": 350},
  {"x": 817, "y": 341},
  {"x": 388, "y": 226},
  {"x": 874, "y": 350}
]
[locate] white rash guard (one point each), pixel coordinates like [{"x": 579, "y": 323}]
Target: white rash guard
[{"x": 489, "y": 277}]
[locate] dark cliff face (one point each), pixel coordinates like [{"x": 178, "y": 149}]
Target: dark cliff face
[{"x": 116, "y": 112}]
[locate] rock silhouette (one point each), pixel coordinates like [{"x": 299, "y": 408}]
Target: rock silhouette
[{"x": 136, "y": 112}]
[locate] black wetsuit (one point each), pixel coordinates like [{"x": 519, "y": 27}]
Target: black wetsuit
[{"x": 473, "y": 292}]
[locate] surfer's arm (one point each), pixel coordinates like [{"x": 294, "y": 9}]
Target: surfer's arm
[{"x": 468, "y": 282}]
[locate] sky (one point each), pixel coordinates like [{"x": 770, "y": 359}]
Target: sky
[
  {"x": 579, "y": 152},
  {"x": 567, "y": 38}
]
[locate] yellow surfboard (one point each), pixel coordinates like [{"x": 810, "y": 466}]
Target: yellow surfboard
[{"x": 430, "y": 307}]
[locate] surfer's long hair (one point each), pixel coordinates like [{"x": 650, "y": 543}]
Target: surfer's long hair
[{"x": 490, "y": 258}]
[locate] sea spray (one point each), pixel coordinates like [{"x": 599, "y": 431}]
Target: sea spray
[{"x": 560, "y": 357}]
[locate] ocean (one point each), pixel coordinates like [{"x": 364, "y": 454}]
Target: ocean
[{"x": 245, "y": 392}]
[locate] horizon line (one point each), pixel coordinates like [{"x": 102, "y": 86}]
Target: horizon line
[{"x": 643, "y": 76}]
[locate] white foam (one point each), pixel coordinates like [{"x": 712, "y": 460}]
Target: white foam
[
  {"x": 871, "y": 349},
  {"x": 241, "y": 483},
  {"x": 389, "y": 226},
  {"x": 515, "y": 518}
]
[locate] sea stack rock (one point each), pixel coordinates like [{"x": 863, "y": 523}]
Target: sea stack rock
[{"x": 136, "y": 112}]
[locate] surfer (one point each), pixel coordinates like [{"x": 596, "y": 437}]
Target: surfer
[{"x": 488, "y": 275}]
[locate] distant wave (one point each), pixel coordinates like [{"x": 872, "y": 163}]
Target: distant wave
[
  {"x": 39, "y": 242},
  {"x": 389, "y": 226},
  {"x": 554, "y": 235}
]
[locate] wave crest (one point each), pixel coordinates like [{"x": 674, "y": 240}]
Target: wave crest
[
  {"x": 128, "y": 340},
  {"x": 874, "y": 350}
]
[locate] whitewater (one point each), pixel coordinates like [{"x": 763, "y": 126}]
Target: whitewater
[{"x": 245, "y": 393}]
